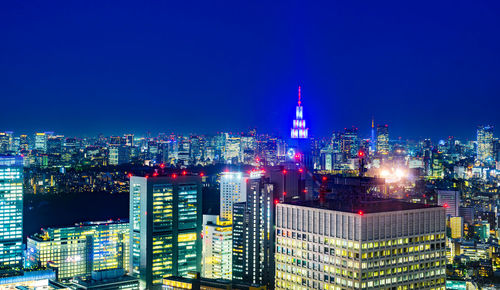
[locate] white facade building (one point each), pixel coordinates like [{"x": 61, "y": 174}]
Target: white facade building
[{"x": 372, "y": 245}]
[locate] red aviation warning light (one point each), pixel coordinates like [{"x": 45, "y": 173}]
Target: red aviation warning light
[{"x": 361, "y": 212}]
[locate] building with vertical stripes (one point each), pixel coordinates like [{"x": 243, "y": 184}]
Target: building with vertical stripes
[{"x": 381, "y": 244}]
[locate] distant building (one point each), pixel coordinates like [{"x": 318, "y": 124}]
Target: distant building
[
  {"x": 485, "y": 145},
  {"x": 119, "y": 155},
  {"x": 350, "y": 143},
  {"x": 299, "y": 129},
  {"x": 165, "y": 227},
  {"x": 382, "y": 139},
  {"x": 217, "y": 248},
  {"x": 11, "y": 210},
  {"x": 343, "y": 246},
  {"x": 482, "y": 231},
  {"x": 457, "y": 227},
  {"x": 41, "y": 142},
  {"x": 450, "y": 200}
]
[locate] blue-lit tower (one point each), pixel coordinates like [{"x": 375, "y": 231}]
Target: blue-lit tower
[
  {"x": 299, "y": 130},
  {"x": 300, "y": 145}
]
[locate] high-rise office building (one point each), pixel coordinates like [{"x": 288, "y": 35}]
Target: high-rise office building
[
  {"x": 233, "y": 189},
  {"x": 81, "y": 249},
  {"x": 119, "y": 155},
  {"x": 165, "y": 227},
  {"x": 11, "y": 210},
  {"x": 382, "y": 139},
  {"x": 253, "y": 234},
  {"x": 217, "y": 248},
  {"x": 457, "y": 227},
  {"x": 350, "y": 142},
  {"x": 232, "y": 149},
  {"x": 41, "y": 142},
  {"x": 366, "y": 245},
  {"x": 485, "y": 145},
  {"x": 299, "y": 129},
  {"x": 129, "y": 139},
  {"x": 450, "y": 200}
]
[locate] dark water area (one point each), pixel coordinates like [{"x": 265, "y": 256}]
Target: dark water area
[{"x": 42, "y": 211}]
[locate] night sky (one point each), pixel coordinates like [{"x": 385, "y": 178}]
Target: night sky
[{"x": 428, "y": 69}]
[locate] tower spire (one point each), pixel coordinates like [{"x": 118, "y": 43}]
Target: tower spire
[{"x": 299, "y": 96}]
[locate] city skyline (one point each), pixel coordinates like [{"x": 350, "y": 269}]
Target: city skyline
[{"x": 354, "y": 63}]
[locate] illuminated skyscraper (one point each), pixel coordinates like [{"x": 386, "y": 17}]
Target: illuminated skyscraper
[
  {"x": 217, "y": 248},
  {"x": 253, "y": 234},
  {"x": 382, "y": 139},
  {"x": 233, "y": 189},
  {"x": 485, "y": 144},
  {"x": 119, "y": 155},
  {"x": 41, "y": 142},
  {"x": 11, "y": 210},
  {"x": 370, "y": 245},
  {"x": 450, "y": 200},
  {"x": 457, "y": 227},
  {"x": 78, "y": 250},
  {"x": 350, "y": 142},
  {"x": 165, "y": 227},
  {"x": 299, "y": 130}
]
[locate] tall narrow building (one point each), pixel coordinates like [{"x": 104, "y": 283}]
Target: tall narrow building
[
  {"x": 382, "y": 140},
  {"x": 11, "y": 210},
  {"x": 485, "y": 145},
  {"x": 165, "y": 227},
  {"x": 253, "y": 234},
  {"x": 233, "y": 189},
  {"x": 299, "y": 129}
]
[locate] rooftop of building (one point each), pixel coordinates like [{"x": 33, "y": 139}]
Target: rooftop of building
[
  {"x": 114, "y": 277},
  {"x": 373, "y": 205}
]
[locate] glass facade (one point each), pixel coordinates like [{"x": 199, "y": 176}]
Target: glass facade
[
  {"x": 165, "y": 227},
  {"x": 11, "y": 210},
  {"x": 81, "y": 249}
]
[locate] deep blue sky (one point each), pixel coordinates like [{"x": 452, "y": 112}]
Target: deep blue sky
[{"x": 84, "y": 67}]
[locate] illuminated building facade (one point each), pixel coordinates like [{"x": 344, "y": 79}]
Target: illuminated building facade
[
  {"x": 381, "y": 245},
  {"x": 11, "y": 210},
  {"x": 78, "y": 250},
  {"x": 299, "y": 129},
  {"x": 485, "y": 145},
  {"x": 41, "y": 142},
  {"x": 232, "y": 149},
  {"x": 165, "y": 227},
  {"x": 450, "y": 200},
  {"x": 253, "y": 234},
  {"x": 69, "y": 258},
  {"x": 217, "y": 248},
  {"x": 382, "y": 139},
  {"x": 233, "y": 189},
  {"x": 457, "y": 227},
  {"x": 119, "y": 155},
  {"x": 350, "y": 143}
]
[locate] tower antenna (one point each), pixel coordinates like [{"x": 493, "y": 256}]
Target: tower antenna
[{"x": 299, "y": 96}]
